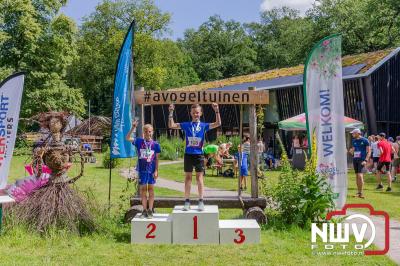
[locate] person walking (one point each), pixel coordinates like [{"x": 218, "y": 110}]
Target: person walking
[
  {"x": 384, "y": 162},
  {"x": 361, "y": 153}
]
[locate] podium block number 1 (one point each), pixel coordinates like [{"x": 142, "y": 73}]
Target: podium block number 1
[
  {"x": 152, "y": 228},
  {"x": 195, "y": 227}
]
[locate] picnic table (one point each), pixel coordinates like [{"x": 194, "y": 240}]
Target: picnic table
[{"x": 226, "y": 164}]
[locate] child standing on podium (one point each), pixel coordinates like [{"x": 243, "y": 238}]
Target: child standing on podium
[
  {"x": 195, "y": 131},
  {"x": 148, "y": 152}
]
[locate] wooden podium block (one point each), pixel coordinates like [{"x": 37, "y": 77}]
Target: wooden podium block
[
  {"x": 239, "y": 232},
  {"x": 157, "y": 230},
  {"x": 194, "y": 226}
]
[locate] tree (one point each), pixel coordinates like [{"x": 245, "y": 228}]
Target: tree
[
  {"x": 283, "y": 38},
  {"x": 34, "y": 39},
  {"x": 158, "y": 64},
  {"x": 366, "y": 25},
  {"x": 220, "y": 49}
]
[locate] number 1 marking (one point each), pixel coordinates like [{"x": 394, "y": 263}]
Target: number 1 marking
[{"x": 195, "y": 227}]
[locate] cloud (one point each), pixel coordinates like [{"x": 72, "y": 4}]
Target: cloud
[{"x": 302, "y": 5}]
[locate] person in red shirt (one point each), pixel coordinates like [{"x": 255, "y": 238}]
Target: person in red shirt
[{"x": 384, "y": 161}]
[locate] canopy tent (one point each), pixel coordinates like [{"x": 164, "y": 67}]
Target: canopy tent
[{"x": 298, "y": 123}]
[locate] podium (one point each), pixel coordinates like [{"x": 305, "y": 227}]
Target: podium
[
  {"x": 157, "y": 230},
  {"x": 194, "y": 227},
  {"x": 239, "y": 232}
]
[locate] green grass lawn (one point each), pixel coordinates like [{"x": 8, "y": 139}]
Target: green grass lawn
[
  {"x": 110, "y": 245},
  {"x": 175, "y": 172}
]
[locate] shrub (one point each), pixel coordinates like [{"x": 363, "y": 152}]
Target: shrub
[
  {"x": 171, "y": 148},
  {"x": 302, "y": 197},
  {"x": 114, "y": 162}
]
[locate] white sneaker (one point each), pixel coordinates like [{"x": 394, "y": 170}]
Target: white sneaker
[
  {"x": 201, "y": 206},
  {"x": 186, "y": 206}
]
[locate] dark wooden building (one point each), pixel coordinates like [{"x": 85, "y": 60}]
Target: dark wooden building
[{"x": 371, "y": 84}]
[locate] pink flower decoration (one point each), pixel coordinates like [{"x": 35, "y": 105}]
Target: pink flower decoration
[
  {"x": 326, "y": 43},
  {"x": 22, "y": 190}
]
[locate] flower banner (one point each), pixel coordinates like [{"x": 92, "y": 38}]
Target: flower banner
[{"x": 324, "y": 104}]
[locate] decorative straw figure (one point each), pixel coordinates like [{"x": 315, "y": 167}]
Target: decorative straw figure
[{"x": 56, "y": 204}]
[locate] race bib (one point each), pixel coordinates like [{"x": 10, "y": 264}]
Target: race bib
[
  {"x": 194, "y": 142},
  {"x": 146, "y": 154},
  {"x": 357, "y": 154}
]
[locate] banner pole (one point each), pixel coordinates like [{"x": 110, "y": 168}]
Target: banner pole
[
  {"x": 109, "y": 186},
  {"x": 1, "y": 217}
]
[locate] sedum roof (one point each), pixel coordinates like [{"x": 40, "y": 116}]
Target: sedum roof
[{"x": 367, "y": 59}]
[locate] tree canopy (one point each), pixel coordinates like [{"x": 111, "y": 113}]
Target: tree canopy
[{"x": 67, "y": 65}]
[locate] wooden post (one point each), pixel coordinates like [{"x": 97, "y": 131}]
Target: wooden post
[
  {"x": 141, "y": 118},
  {"x": 253, "y": 148},
  {"x": 139, "y": 131},
  {"x": 152, "y": 116},
  {"x": 241, "y": 145}
]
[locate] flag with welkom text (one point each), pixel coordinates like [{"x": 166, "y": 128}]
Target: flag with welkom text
[
  {"x": 324, "y": 104},
  {"x": 123, "y": 109},
  {"x": 10, "y": 102}
]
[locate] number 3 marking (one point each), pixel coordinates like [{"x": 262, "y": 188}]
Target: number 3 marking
[
  {"x": 153, "y": 228},
  {"x": 241, "y": 235}
]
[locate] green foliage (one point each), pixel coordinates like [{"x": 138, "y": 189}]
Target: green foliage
[
  {"x": 107, "y": 161},
  {"x": 35, "y": 39},
  {"x": 260, "y": 112},
  {"x": 366, "y": 25},
  {"x": 282, "y": 39},
  {"x": 171, "y": 148},
  {"x": 158, "y": 63},
  {"x": 302, "y": 197},
  {"x": 58, "y": 98},
  {"x": 220, "y": 49}
]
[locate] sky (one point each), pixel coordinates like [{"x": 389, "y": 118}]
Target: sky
[{"x": 192, "y": 13}]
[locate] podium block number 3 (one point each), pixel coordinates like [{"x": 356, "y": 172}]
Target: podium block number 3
[
  {"x": 195, "y": 227},
  {"x": 241, "y": 237},
  {"x": 152, "y": 228}
]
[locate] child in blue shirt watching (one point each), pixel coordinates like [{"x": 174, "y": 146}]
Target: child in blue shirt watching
[
  {"x": 194, "y": 157},
  {"x": 244, "y": 170},
  {"x": 148, "y": 152}
]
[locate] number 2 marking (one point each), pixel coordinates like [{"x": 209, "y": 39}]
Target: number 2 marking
[
  {"x": 195, "y": 227},
  {"x": 241, "y": 235},
  {"x": 153, "y": 228}
]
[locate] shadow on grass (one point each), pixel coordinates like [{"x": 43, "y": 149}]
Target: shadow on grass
[{"x": 123, "y": 237}]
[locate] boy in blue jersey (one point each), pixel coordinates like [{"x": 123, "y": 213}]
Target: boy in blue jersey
[
  {"x": 194, "y": 156},
  {"x": 148, "y": 152}
]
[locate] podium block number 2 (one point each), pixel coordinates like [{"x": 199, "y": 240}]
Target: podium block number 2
[
  {"x": 152, "y": 228},
  {"x": 241, "y": 237}
]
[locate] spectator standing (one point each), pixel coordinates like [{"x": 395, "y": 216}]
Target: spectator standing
[
  {"x": 384, "y": 162},
  {"x": 396, "y": 160},
  {"x": 376, "y": 153}
]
